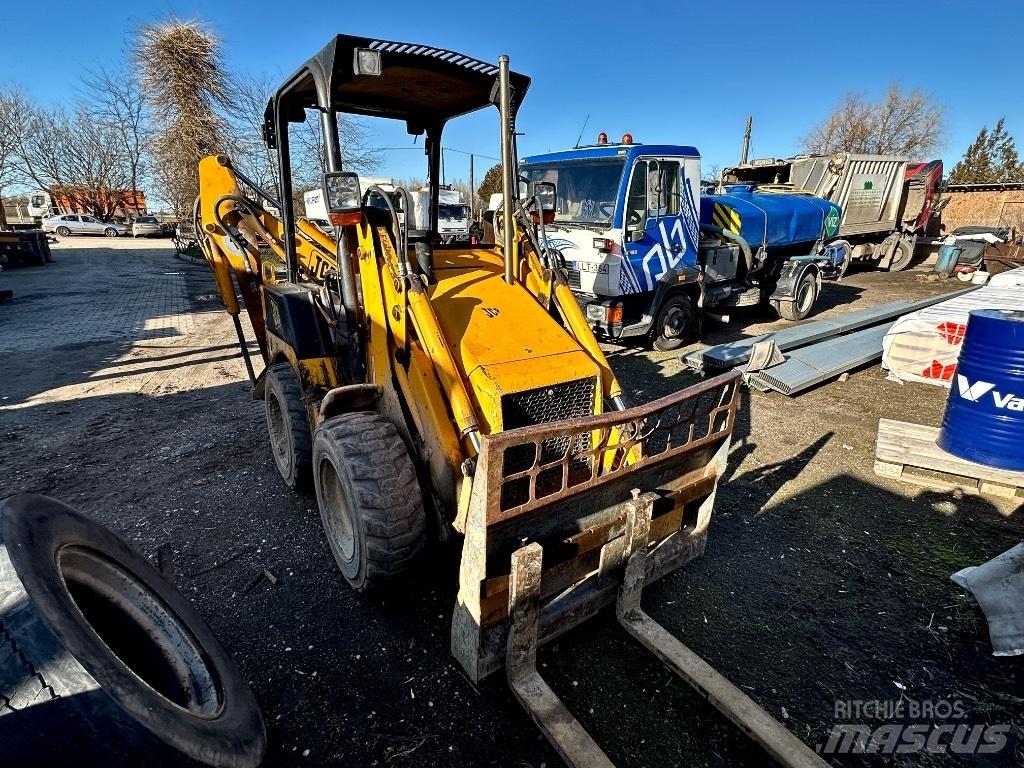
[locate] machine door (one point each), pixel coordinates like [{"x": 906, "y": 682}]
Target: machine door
[{"x": 660, "y": 222}]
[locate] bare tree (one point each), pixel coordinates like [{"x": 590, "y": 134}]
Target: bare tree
[
  {"x": 184, "y": 81},
  {"x": 12, "y": 116},
  {"x": 75, "y": 157},
  {"x": 116, "y": 101},
  {"x": 900, "y": 123},
  {"x": 251, "y": 95}
]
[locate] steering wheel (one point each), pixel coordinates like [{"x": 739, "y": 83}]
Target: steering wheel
[
  {"x": 606, "y": 209},
  {"x": 634, "y": 218}
]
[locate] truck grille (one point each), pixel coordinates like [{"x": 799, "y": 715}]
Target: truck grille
[
  {"x": 543, "y": 405},
  {"x": 572, "y": 276}
]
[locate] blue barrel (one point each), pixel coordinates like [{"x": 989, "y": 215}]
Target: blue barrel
[{"x": 984, "y": 419}]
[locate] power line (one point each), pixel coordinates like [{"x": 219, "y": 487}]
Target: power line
[{"x": 446, "y": 149}]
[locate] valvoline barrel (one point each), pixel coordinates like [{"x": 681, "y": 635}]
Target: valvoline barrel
[{"x": 984, "y": 419}]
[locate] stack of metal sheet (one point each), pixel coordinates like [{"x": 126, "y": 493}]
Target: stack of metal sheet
[{"x": 823, "y": 349}]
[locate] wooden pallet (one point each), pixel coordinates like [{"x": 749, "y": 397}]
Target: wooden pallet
[{"x": 908, "y": 451}]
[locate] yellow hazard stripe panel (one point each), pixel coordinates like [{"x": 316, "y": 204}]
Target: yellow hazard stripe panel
[{"x": 725, "y": 217}]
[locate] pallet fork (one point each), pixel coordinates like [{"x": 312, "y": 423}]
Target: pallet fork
[{"x": 564, "y": 731}]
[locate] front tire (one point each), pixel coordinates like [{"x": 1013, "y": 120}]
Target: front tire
[
  {"x": 806, "y": 296},
  {"x": 675, "y": 324},
  {"x": 63, "y": 231},
  {"x": 288, "y": 426},
  {"x": 110, "y": 232},
  {"x": 369, "y": 498}
]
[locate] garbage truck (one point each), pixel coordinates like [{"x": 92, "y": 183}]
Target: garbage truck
[
  {"x": 887, "y": 201},
  {"x": 648, "y": 254}
]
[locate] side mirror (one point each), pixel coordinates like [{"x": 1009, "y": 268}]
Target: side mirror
[{"x": 342, "y": 196}]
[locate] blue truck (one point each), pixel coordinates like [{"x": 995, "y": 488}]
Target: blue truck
[{"x": 647, "y": 253}]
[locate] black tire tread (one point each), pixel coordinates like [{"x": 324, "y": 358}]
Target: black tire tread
[
  {"x": 389, "y": 498},
  {"x": 298, "y": 423},
  {"x": 24, "y": 686}
]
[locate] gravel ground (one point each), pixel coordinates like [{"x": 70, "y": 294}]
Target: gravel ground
[{"x": 123, "y": 395}]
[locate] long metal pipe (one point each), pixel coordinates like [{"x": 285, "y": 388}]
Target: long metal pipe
[{"x": 507, "y": 168}]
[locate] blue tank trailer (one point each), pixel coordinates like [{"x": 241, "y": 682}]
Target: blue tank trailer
[{"x": 647, "y": 253}]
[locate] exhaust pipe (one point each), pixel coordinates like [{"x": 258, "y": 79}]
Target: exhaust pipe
[{"x": 507, "y": 170}]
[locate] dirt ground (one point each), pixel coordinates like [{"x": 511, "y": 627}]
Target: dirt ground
[{"x": 123, "y": 395}]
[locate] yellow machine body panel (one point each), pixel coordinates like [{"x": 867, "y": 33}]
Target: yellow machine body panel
[{"x": 502, "y": 339}]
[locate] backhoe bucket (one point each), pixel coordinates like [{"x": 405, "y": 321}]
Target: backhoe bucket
[{"x": 566, "y": 486}]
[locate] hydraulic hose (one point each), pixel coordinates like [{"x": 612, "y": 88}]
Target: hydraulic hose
[{"x": 728, "y": 234}]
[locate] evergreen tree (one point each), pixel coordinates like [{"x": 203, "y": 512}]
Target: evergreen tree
[
  {"x": 491, "y": 183},
  {"x": 992, "y": 158}
]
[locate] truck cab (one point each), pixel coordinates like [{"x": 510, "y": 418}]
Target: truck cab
[{"x": 646, "y": 253}]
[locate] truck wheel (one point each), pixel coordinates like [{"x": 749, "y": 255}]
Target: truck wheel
[
  {"x": 675, "y": 323},
  {"x": 288, "y": 426},
  {"x": 102, "y": 661},
  {"x": 63, "y": 231},
  {"x": 902, "y": 256},
  {"x": 806, "y": 295},
  {"x": 369, "y": 499}
]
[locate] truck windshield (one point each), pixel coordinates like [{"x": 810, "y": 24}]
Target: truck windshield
[
  {"x": 587, "y": 189},
  {"x": 449, "y": 212}
]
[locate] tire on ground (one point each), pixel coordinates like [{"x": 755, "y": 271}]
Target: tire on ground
[
  {"x": 369, "y": 498},
  {"x": 288, "y": 426},
  {"x": 806, "y": 295},
  {"x": 104, "y": 663},
  {"x": 675, "y": 324}
]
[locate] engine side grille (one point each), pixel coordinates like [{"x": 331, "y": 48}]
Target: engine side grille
[
  {"x": 543, "y": 405},
  {"x": 573, "y": 278}
]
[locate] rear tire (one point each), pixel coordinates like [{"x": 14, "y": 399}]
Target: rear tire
[
  {"x": 63, "y": 231},
  {"x": 102, "y": 661},
  {"x": 288, "y": 426},
  {"x": 369, "y": 498},
  {"x": 901, "y": 257},
  {"x": 675, "y": 324},
  {"x": 806, "y": 296}
]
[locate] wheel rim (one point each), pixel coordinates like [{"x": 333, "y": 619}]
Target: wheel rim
[
  {"x": 63, "y": 231},
  {"x": 674, "y": 325},
  {"x": 337, "y": 515},
  {"x": 141, "y": 630},
  {"x": 278, "y": 429},
  {"x": 806, "y": 297},
  {"x": 111, "y": 233}
]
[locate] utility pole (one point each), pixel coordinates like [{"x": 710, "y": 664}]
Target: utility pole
[
  {"x": 472, "y": 190},
  {"x": 745, "y": 154}
]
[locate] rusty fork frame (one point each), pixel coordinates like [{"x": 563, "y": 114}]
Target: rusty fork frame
[{"x": 562, "y": 730}]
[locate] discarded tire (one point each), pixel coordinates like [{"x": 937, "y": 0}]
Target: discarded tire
[{"x": 102, "y": 662}]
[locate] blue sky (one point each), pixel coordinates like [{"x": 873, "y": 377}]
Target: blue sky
[{"x": 668, "y": 72}]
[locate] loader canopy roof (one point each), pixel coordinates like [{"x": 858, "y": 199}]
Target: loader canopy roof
[{"x": 422, "y": 85}]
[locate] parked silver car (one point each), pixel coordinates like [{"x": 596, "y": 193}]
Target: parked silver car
[
  {"x": 146, "y": 226},
  {"x": 73, "y": 224}
]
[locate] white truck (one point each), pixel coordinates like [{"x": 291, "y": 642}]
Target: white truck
[{"x": 452, "y": 214}]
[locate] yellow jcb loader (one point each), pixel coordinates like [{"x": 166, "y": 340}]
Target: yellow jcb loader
[{"x": 413, "y": 380}]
